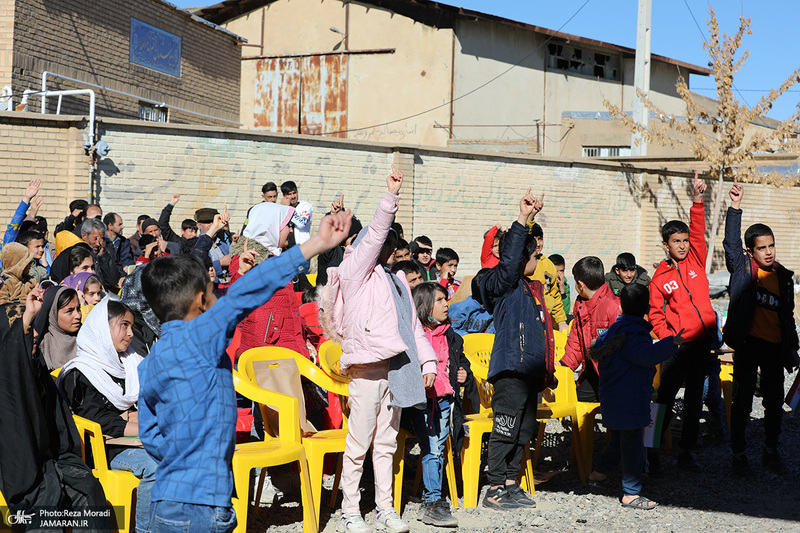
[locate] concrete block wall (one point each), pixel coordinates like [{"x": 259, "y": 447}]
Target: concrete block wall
[
  {"x": 46, "y": 149},
  {"x": 90, "y": 41},
  {"x": 591, "y": 208}
]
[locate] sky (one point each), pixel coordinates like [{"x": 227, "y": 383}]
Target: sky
[{"x": 675, "y": 34}]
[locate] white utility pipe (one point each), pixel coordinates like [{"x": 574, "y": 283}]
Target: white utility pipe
[{"x": 156, "y": 103}]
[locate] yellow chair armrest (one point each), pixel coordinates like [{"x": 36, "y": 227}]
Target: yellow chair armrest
[
  {"x": 96, "y": 442},
  {"x": 288, "y": 406}
]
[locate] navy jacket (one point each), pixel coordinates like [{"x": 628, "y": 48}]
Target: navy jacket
[
  {"x": 523, "y": 341},
  {"x": 469, "y": 316},
  {"x": 627, "y": 359},
  {"x": 744, "y": 276}
]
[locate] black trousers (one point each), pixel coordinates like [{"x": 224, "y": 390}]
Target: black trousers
[
  {"x": 514, "y": 404},
  {"x": 755, "y": 354},
  {"x": 686, "y": 368}
]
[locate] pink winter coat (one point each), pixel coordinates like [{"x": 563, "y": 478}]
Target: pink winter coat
[{"x": 369, "y": 323}]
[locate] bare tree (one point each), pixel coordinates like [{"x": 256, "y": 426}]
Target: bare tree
[{"x": 720, "y": 138}]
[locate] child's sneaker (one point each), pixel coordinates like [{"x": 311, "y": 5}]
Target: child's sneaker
[
  {"x": 438, "y": 514},
  {"x": 520, "y": 496},
  {"x": 390, "y": 521},
  {"x": 499, "y": 499},
  {"x": 352, "y": 523}
]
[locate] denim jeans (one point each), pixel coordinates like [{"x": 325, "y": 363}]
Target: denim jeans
[
  {"x": 629, "y": 444},
  {"x": 176, "y": 517},
  {"x": 140, "y": 464},
  {"x": 432, "y": 427}
]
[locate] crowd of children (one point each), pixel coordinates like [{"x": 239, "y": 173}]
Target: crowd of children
[{"x": 139, "y": 329}]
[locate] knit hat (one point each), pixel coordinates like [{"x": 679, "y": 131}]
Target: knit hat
[{"x": 147, "y": 223}]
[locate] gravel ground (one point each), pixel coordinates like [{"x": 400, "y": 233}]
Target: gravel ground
[{"x": 711, "y": 501}]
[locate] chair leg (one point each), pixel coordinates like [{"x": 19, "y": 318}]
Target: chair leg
[
  {"x": 399, "y": 465},
  {"x": 336, "y": 481},
  {"x": 450, "y": 471},
  {"x": 315, "y": 467},
  {"x": 310, "y": 524},
  {"x": 471, "y": 470},
  {"x": 526, "y": 471},
  {"x": 539, "y": 440},
  {"x": 242, "y": 500},
  {"x": 586, "y": 431},
  {"x": 577, "y": 446}
]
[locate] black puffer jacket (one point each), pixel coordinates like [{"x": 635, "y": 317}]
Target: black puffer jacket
[{"x": 744, "y": 275}]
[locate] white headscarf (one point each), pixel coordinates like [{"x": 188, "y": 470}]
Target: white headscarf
[
  {"x": 98, "y": 360},
  {"x": 265, "y": 223}
]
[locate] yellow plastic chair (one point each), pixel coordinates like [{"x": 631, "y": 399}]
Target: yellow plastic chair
[
  {"x": 560, "y": 344},
  {"x": 272, "y": 451},
  {"x": 399, "y": 468},
  {"x": 312, "y": 279},
  {"x": 557, "y": 403},
  {"x": 478, "y": 349},
  {"x": 318, "y": 444},
  {"x": 726, "y": 382},
  {"x": 328, "y": 355},
  {"x": 118, "y": 485}
]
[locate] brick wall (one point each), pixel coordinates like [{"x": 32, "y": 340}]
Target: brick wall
[
  {"x": 89, "y": 41},
  {"x": 453, "y": 197},
  {"x": 51, "y": 150}
]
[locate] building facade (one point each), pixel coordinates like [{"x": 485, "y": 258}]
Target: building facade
[
  {"x": 145, "y": 59},
  {"x": 426, "y": 73}
]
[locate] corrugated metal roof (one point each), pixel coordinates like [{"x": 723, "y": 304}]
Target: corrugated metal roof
[
  {"x": 438, "y": 15},
  {"x": 200, "y": 20}
]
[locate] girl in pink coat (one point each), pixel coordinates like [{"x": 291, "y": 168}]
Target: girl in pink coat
[{"x": 384, "y": 352}]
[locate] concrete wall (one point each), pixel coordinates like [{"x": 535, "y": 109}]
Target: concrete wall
[
  {"x": 451, "y": 196},
  {"x": 90, "y": 41}
]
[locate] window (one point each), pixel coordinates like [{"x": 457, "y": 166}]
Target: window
[
  {"x": 151, "y": 113},
  {"x": 572, "y": 59},
  {"x": 606, "y": 151}
]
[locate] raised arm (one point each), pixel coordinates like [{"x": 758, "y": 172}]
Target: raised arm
[
  {"x": 12, "y": 231},
  {"x": 163, "y": 220},
  {"x": 697, "y": 222},
  {"x": 359, "y": 260},
  {"x": 735, "y": 258},
  {"x": 488, "y": 244}
]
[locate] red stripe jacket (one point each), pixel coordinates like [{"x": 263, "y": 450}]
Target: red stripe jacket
[{"x": 679, "y": 294}]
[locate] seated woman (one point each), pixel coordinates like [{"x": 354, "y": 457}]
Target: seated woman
[
  {"x": 40, "y": 452},
  {"x": 102, "y": 384},
  {"x": 16, "y": 279},
  {"x": 57, "y": 326},
  {"x": 89, "y": 288}
]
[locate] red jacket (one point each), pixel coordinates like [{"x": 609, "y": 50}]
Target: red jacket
[
  {"x": 679, "y": 296},
  {"x": 592, "y": 317},
  {"x": 281, "y": 314},
  {"x": 488, "y": 260}
]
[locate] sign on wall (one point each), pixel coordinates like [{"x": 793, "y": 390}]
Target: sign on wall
[{"x": 155, "y": 48}]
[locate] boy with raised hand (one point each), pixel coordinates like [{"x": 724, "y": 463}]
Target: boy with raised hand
[
  {"x": 760, "y": 328},
  {"x": 187, "y": 404},
  {"x": 679, "y": 300},
  {"x": 522, "y": 356}
]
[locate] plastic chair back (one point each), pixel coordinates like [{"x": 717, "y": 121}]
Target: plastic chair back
[
  {"x": 478, "y": 350},
  {"x": 561, "y": 344}
]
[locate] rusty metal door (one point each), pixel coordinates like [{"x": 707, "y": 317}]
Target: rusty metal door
[{"x": 302, "y": 94}]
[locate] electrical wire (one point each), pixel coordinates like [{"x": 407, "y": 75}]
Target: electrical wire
[{"x": 476, "y": 89}]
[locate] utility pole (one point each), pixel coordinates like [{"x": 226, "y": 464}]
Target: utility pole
[{"x": 641, "y": 77}]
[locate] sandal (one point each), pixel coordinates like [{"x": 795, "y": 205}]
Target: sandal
[{"x": 640, "y": 502}]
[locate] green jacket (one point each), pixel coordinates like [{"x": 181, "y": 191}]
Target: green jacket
[{"x": 616, "y": 283}]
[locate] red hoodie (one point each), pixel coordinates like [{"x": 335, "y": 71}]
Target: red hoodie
[
  {"x": 592, "y": 317},
  {"x": 488, "y": 260},
  {"x": 679, "y": 296}
]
